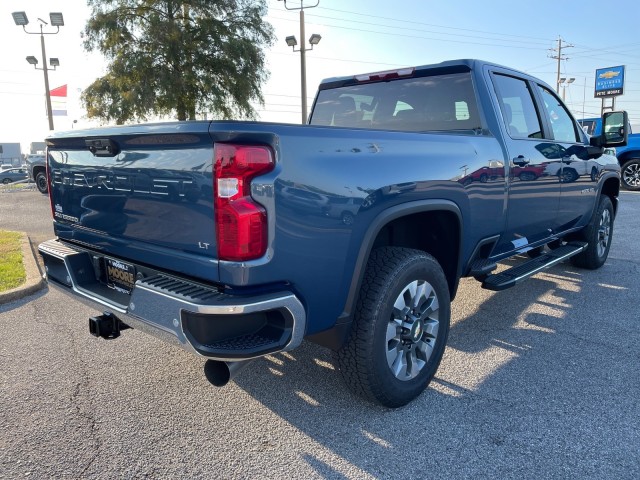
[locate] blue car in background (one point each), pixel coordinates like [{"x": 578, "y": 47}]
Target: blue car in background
[
  {"x": 13, "y": 175},
  {"x": 628, "y": 157}
]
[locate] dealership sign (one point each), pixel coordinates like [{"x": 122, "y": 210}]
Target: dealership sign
[{"x": 609, "y": 81}]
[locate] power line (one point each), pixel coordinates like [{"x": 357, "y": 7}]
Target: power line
[
  {"x": 417, "y": 36},
  {"x": 613, "y": 49},
  {"x": 587, "y": 52},
  {"x": 348, "y": 60},
  {"x": 405, "y": 21},
  {"x": 404, "y": 28}
]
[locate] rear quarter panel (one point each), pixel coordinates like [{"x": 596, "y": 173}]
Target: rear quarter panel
[{"x": 323, "y": 172}]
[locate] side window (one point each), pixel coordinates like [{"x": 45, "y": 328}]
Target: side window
[
  {"x": 589, "y": 126},
  {"x": 518, "y": 108},
  {"x": 562, "y": 125}
]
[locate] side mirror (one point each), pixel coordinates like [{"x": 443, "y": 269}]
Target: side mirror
[{"x": 614, "y": 130}]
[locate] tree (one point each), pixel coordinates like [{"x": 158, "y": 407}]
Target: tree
[{"x": 177, "y": 57}]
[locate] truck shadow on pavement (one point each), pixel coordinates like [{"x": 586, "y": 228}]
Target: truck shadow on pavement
[{"x": 528, "y": 367}]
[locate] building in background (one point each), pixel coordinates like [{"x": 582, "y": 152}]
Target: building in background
[
  {"x": 37, "y": 148},
  {"x": 10, "y": 154}
]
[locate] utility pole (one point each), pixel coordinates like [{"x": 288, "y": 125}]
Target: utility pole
[{"x": 558, "y": 56}]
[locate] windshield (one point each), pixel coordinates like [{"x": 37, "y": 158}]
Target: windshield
[{"x": 442, "y": 102}]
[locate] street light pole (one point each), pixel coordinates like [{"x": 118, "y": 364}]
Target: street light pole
[
  {"x": 47, "y": 92},
  {"x": 20, "y": 19},
  {"x": 564, "y": 83},
  {"x": 292, "y": 42},
  {"x": 303, "y": 69}
]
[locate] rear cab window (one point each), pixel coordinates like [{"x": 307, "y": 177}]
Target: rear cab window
[{"x": 444, "y": 102}]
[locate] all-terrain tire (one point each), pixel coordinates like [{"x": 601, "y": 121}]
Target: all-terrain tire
[
  {"x": 400, "y": 327},
  {"x": 598, "y": 233}
]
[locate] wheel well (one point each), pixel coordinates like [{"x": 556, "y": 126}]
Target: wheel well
[
  {"x": 37, "y": 170},
  {"x": 435, "y": 232},
  {"x": 626, "y": 156},
  {"x": 611, "y": 188}
]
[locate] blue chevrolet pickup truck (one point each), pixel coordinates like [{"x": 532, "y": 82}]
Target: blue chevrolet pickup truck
[
  {"x": 236, "y": 240},
  {"x": 628, "y": 156}
]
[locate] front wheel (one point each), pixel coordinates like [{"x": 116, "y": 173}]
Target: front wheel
[
  {"x": 631, "y": 174},
  {"x": 41, "y": 182},
  {"x": 598, "y": 234},
  {"x": 6, "y": 181},
  {"x": 400, "y": 327}
]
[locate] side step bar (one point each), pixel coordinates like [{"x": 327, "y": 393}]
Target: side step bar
[{"x": 515, "y": 275}]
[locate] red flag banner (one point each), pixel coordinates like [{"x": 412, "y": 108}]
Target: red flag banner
[{"x": 59, "y": 101}]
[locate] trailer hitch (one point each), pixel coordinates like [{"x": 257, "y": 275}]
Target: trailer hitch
[{"x": 107, "y": 326}]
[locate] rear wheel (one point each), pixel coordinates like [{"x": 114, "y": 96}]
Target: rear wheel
[
  {"x": 631, "y": 174},
  {"x": 41, "y": 182},
  {"x": 400, "y": 327},
  {"x": 6, "y": 181},
  {"x": 598, "y": 233}
]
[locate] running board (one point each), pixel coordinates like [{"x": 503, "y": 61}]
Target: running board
[{"x": 509, "y": 278}]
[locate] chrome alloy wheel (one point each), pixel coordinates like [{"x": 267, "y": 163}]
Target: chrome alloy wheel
[
  {"x": 631, "y": 175},
  {"x": 604, "y": 232},
  {"x": 412, "y": 330}
]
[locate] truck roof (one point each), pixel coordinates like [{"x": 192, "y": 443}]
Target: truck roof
[{"x": 464, "y": 64}]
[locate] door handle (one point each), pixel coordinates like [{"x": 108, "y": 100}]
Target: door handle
[{"x": 521, "y": 161}]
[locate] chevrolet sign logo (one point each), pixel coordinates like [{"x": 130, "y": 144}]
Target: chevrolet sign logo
[{"x": 609, "y": 74}]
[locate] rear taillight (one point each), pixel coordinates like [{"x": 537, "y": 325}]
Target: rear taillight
[{"x": 241, "y": 223}]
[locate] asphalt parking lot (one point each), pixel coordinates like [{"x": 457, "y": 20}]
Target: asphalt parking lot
[{"x": 541, "y": 380}]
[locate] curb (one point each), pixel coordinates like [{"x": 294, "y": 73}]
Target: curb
[{"x": 34, "y": 281}]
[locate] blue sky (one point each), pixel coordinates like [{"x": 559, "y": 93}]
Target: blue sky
[{"x": 357, "y": 36}]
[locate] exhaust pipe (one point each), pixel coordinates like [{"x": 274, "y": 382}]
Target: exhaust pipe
[{"x": 220, "y": 373}]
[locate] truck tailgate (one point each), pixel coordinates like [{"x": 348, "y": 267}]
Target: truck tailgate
[{"x": 143, "y": 195}]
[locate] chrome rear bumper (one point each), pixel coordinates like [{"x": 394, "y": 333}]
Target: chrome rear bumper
[{"x": 199, "y": 318}]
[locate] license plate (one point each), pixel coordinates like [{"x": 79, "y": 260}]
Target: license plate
[{"x": 120, "y": 276}]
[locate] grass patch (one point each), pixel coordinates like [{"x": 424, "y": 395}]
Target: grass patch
[
  {"x": 12, "y": 272},
  {"x": 16, "y": 186}
]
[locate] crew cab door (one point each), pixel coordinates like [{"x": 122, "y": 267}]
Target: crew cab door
[
  {"x": 533, "y": 192},
  {"x": 577, "y": 173}
]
